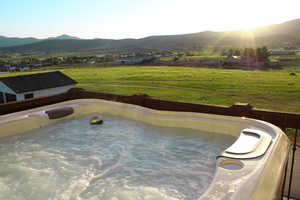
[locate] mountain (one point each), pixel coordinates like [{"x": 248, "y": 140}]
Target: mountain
[
  {"x": 13, "y": 41},
  {"x": 63, "y": 37},
  {"x": 290, "y": 28},
  {"x": 186, "y": 41},
  {"x": 273, "y": 36}
]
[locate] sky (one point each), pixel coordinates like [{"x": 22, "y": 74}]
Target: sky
[{"x": 116, "y": 19}]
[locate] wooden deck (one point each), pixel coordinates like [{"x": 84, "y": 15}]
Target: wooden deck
[{"x": 295, "y": 191}]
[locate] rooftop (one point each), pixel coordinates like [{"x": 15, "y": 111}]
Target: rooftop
[{"x": 39, "y": 81}]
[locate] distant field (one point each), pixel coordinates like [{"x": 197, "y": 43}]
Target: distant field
[{"x": 275, "y": 90}]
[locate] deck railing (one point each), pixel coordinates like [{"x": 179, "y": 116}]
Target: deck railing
[{"x": 284, "y": 120}]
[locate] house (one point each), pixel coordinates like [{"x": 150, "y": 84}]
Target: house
[
  {"x": 22, "y": 67},
  {"x": 3, "y": 68},
  {"x": 6, "y": 67},
  {"x": 37, "y": 65},
  {"x": 279, "y": 53},
  {"x": 168, "y": 54},
  {"x": 233, "y": 60},
  {"x": 22, "y": 87},
  {"x": 137, "y": 60},
  {"x": 248, "y": 60}
]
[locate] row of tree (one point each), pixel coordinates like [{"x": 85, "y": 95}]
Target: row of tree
[{"x": 260, "y": 54}]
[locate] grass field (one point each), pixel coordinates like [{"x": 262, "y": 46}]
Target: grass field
[{"x": 275, "y": 90}]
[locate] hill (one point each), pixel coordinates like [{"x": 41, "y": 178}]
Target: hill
[
  {"x": 63, "y": 37},
  {"x": 273, "y": 36},
  {"x": 15, "y": 41}
]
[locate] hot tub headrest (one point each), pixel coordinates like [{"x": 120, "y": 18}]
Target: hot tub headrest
[{"x": 59, "y": 112}]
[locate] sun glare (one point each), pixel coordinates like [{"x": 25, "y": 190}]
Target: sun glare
[{"x": 249, "y": 26}]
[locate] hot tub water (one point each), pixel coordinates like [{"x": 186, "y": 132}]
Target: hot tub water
[{"x": 118, "y": 160}]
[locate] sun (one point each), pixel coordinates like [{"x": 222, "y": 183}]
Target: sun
[{"x": 248, "y": 27}]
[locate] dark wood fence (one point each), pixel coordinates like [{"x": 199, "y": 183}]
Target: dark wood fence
[{"x": 281, "y": 119}]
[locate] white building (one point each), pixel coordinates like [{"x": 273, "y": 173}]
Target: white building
[{"x": 22, "y": 87}]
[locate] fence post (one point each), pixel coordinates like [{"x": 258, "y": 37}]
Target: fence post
[
  {"x": 241, "y": 109},
  {"x": 137, "y": 99}
]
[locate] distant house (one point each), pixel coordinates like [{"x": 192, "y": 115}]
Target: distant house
[
  {"x": 37, "y": 65},
  {"x": 233, "y": 60},
  {"x": 279, "y": 53},
  {"x": 6, "y": 67},
  {"x": 22, "y": 67},
  {"x": 11, "y": 67},
  {"x": 3, "y": 68},
  {"x": 137, "y": 60},
  {"x": 167, "y": 54},
  {"x": 130, "y": 60},
  {"x": 22, "y": 87},
  {"x": 249, "y": 61}
]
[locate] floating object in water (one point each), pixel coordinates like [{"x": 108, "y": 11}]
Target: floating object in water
[{"x": 96, "y": 120}]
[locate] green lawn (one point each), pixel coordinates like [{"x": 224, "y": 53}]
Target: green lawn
[{"x": 275, "y": 90}]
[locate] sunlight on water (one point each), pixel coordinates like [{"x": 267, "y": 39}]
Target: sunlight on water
[{"x": 119, "y": 160}]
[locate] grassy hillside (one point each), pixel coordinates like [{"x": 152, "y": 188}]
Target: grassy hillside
[{"x": 275, "y": 90}]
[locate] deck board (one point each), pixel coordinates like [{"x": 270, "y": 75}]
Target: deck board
[{"x": 295, "y": 191}]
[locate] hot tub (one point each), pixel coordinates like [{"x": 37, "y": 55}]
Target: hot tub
[{"x": 178, "y": 155}]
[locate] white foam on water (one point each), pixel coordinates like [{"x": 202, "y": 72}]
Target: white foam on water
[
  {"x": 136, "y": 193},
  {"x": 119, "y": 160},
  {"x": 75, "y": 187}
]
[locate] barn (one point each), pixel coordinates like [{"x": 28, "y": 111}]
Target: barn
[{"x": 17, "y": 88}]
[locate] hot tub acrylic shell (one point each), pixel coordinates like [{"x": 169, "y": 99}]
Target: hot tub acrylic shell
[{"x": 249, "y": 176}]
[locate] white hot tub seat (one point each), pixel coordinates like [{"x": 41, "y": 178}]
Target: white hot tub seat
[{"x": 251, "y": 143}]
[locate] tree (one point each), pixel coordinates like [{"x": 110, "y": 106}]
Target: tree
[
  {"x": 230, "y": 53},
  {"x": 262, "y": 54},
  {"x": 108, "y": 58},
  {"x": 237, "y": 52},
  {"x": 139, "y": 54},
  {"x": 265, "y": 52},
  {"x": 249, "y": 52},
  {"x": 258, "y": 54}
]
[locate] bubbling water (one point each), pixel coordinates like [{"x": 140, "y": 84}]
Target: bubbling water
[{"x": 118, "y": 160}]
